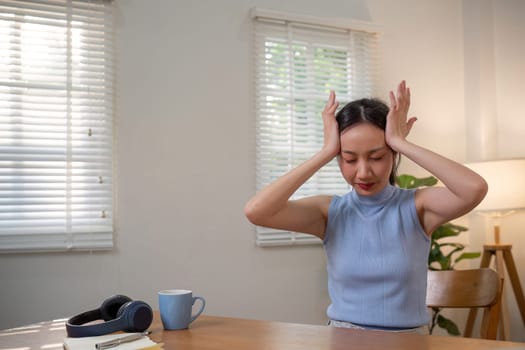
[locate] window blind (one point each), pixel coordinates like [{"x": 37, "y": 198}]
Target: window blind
[
  {"x": 297, "y": 63},
  {"x": 56, "y": 125}
]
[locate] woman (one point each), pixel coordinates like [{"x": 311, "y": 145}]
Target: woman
[{"x": 376, "y": 237}]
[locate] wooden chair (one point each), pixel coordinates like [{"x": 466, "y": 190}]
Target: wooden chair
[{"x": 477, "y": 288}]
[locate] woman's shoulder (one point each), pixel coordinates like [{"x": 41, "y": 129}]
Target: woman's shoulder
[{"x": 340, "y": 201}]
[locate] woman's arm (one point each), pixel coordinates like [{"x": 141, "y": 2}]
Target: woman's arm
[
  {"x": 463, "y": 190},
  {"x": 271, "y": 206}
]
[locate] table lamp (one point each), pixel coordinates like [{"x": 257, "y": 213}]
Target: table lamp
[
  {"x": 506, "y": 180},
  {"x": 506, "y": 194}
]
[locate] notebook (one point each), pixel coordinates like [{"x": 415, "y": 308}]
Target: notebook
[{"x": 89, "y": 343}]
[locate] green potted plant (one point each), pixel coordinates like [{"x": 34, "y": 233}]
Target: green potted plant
[{"x": 444, "y": 255}]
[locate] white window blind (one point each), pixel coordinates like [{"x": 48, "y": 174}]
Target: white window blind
[
  {"x": 56, "y": 110},
  {"x": 297, "y": 63}
]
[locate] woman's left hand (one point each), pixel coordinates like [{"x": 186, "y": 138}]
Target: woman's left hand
[{"x": 397, "y": 125}]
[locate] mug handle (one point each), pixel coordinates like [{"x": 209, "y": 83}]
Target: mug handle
[{"x": 193, "y": 317}]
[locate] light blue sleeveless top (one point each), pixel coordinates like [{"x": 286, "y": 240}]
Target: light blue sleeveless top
[{"x": 377, "y": 259}]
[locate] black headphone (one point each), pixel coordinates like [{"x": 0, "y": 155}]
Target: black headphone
[{"x": 119, "y": 312}]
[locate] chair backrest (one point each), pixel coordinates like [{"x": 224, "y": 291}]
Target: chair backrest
[{"x": 477, "y": 288}]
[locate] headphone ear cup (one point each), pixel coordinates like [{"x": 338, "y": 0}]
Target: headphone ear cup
[
  {"x": 111, "y": 306},
  {"x": 136, "y": 316}
]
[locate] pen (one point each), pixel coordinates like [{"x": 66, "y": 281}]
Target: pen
[{"x": 117, "y": 341}]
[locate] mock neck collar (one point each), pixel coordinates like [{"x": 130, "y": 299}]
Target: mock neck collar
[{"x": 377, "y": 199}]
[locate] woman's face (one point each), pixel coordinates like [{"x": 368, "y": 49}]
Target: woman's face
[{"x": 365, "y": 161}]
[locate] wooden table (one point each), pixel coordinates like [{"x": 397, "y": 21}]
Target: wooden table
[{"x": 215, "y": 333}]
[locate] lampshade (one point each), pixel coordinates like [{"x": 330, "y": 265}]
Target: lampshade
[{"x": 506, "y": 180}]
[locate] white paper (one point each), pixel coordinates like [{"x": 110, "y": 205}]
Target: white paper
[{"x": 88, "y": 343}]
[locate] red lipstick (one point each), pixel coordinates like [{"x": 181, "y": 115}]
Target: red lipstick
[{"x": 365, "y": 186}]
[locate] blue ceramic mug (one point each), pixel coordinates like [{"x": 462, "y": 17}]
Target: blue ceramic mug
[{"x": 176, "y": 306}]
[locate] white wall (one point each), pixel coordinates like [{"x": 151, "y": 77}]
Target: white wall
[
  {"x": 185, "y": 157},
  {"x": 494, "y": 85}
]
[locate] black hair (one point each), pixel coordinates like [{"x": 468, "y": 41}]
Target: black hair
[{"x": 367, "y": 110}]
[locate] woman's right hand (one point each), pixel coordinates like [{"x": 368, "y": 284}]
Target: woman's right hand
[
  {"x": 331, "y": 130},
  {"x": 273, "y": 207}
]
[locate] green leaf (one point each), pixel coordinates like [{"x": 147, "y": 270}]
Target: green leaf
[
  {"x": 451, "y": 244},
  {"x": 444, "y": 262},
  {"x": 435, "y": 254},
  {"x": 404, "y": 180},
  {"x": 433, "y": 320},
  {"x": 448, "y": 325},
  {"x": 447, "y": 230},
  {"x": 472, "y": 255},
  {"x": 409, "y": 181},
  {"x": 425, "y": 182}
]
